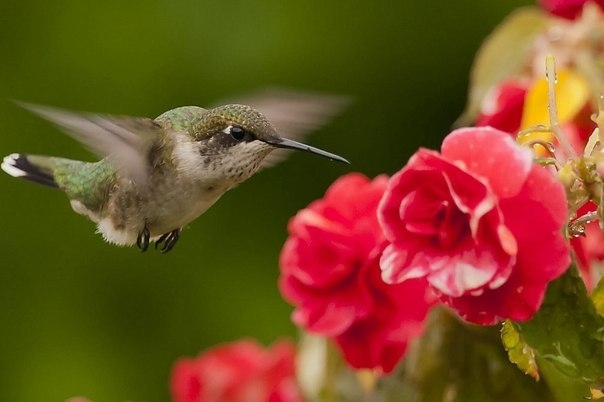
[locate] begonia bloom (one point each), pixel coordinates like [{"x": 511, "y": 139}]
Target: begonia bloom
[
  {"x": 480, "y": 221},
  {"x": 330, "y": 272}
]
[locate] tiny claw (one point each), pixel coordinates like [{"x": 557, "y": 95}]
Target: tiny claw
[
  {"x": 167, "y": 241},
  {"x": 142, "y": 240}
]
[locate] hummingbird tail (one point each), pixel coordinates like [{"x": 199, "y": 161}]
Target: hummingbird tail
[{"x": 35, "y": 168}]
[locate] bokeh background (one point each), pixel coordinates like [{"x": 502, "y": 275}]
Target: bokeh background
[{"x": 81, "y": 317}]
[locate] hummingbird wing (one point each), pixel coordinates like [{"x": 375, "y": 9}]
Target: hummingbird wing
[
  {"x": 294, "y": 114},
  {"x": 126, "y": 142}
]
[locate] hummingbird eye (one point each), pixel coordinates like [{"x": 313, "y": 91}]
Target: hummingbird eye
[{"x": 237, "y": 132}]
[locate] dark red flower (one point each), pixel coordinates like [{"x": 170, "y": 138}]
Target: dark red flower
[
  {"x": 330, "y": 272},
  {"x": 569, "y": 9},
  {"x": 480, "y": 221},
  {"x": 238, "y": 372}
]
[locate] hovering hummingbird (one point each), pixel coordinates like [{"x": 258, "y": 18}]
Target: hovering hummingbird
[{"x": 158, "y": 175}]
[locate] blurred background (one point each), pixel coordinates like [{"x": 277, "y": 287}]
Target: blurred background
[{"x": 81, "y": 317}]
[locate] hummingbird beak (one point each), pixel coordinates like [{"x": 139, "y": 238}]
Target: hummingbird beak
[{"x": 290, "y": 144}]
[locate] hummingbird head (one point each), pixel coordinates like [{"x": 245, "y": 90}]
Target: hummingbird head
[{"x": 237, "y": 138}]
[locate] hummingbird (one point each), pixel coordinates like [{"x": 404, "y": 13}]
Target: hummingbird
[{"x": 158, "y": 175}]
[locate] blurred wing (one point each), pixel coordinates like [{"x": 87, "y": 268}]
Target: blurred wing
[
  {"x": 125, "y": 141},
  {"x": 294, "y": 114}
]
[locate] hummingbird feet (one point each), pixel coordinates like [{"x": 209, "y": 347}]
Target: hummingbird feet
[
  {"x": 167, "y": 241},
  {"x": 142, "y": 240},
  {"x": 164, "y": 244}
]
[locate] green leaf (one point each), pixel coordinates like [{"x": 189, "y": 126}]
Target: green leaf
[
  {"x": 567, "y": 331},
  {"x": 519, "y": 353},
  {"x": 502, "y": 55}
]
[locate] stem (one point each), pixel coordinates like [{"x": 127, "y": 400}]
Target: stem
[
  {"x": 592, "y": 143},
  {"x": 577, "y": 227},
  {"x": 550, "y": 74}
]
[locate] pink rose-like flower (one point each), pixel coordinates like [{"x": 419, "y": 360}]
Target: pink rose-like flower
[
  {"x": 569, "y": 9},
  {"x": 241, "y": 371},
  {"x": 330, "y": 272},
  {"x": 480, "y": 221}
]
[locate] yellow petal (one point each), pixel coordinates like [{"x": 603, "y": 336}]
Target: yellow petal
[
  {"x": 596, "y": 393},
  {"x": 572, "y": 93}
]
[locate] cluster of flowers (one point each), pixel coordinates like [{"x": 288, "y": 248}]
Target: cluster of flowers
[
  {"x": 479, "y": 227},
  {"x": 575, "y": 36},
  {"x": 364, "y": 264}
]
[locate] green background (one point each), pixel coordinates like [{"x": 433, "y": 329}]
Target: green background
[{"x": 81, "y": 317}]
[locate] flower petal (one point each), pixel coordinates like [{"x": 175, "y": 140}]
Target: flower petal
[{"x": 488, "y": 153}]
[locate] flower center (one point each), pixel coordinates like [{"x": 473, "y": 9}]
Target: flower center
[
  {"x": 452, "y": 226},
  {"x": 439, "y": 221}
]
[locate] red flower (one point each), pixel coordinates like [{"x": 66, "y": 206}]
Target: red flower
[
  {"x": 569, "y": 9},
  {"x": 589, "y": 249},
  {"x": 238, "y": 372},
  {"x": 480, "y": 221},
  {"x": 502, "y": 108},
  {"x": 379, "y": 340},
  {"x": 330, "y": 271}
]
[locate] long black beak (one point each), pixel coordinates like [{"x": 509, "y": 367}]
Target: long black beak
[{"x": 285, "y": 143}]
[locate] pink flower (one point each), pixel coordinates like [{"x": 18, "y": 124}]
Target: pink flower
[
  {"x": 480, "y": 221},
  {"x": 241, "y": 371},
  {"x": 330, "y": 272},
  {"x": 569, "y": 9},
  {"x": 513, "y": 105}
]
